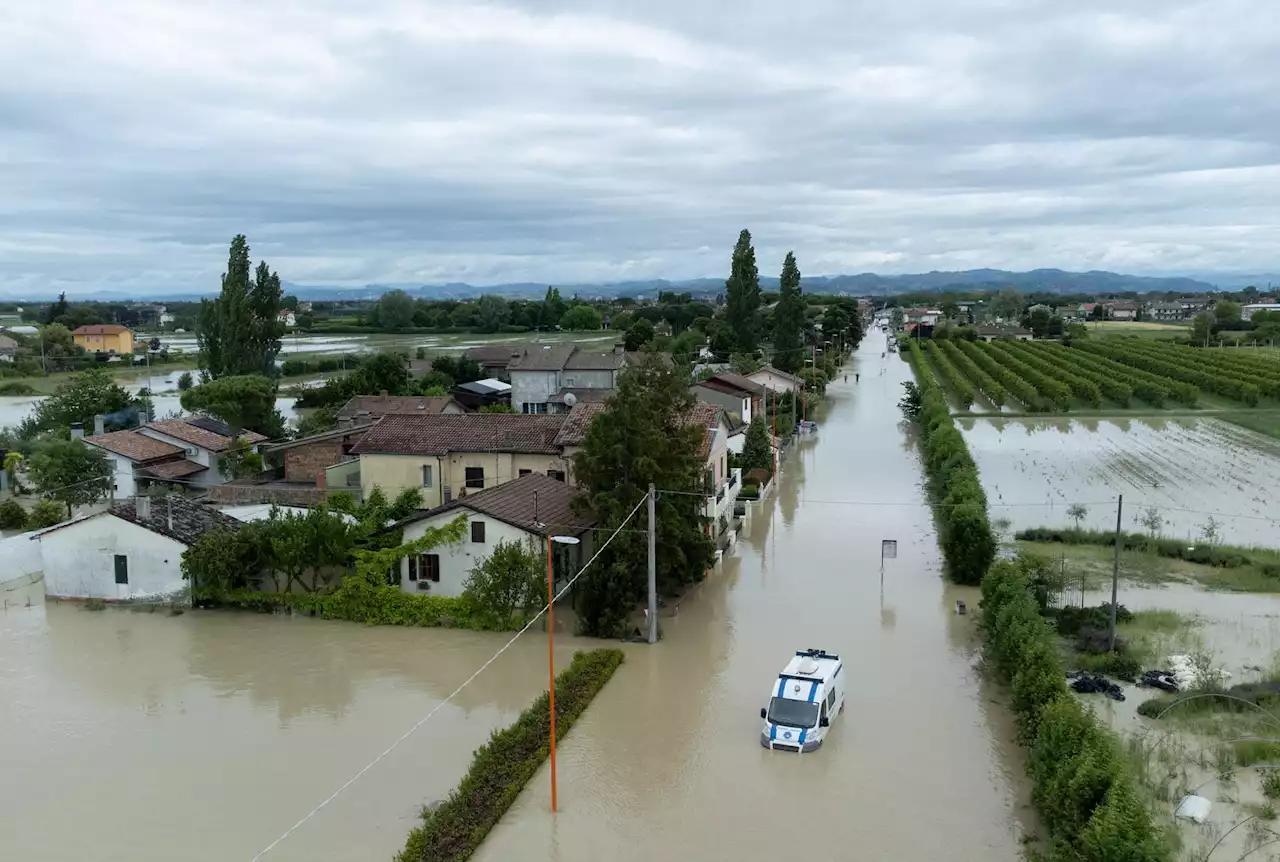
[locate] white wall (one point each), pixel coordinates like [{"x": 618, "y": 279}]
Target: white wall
[
  {"x": 79, "y": 560},
  {"x": 21, "y": 558},
  {"x": 532, "y": 387},
  {"x": 772, "y": 381},
  {"x": 122, "y": 475},
  {"x": 457, "y": 561}
]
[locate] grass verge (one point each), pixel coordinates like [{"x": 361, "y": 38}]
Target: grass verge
[{"x": 503, "y": 766}]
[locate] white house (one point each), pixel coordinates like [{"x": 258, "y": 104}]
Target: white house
[
  {"x": 1248, "y": 311},
  {"x": 541, "y": 375},
  {"x": 131, "y": 551},
  {"x": 202, "y": 441},
  {"x": 527, "y": 509},
  {"x": 733, "y": 392},
  {"x": 287, "y": 317},
  {"x": 775, "y": 380}
]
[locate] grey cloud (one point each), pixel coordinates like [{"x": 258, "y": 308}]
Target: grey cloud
[{"x": 573, "y": 141}]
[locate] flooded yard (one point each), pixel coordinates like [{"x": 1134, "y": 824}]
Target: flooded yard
[
  {"x": 1189, "y": 469},
  {"x": 144, "y": 737}
]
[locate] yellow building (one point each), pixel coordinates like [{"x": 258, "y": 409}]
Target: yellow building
[{"x": 105, "y": 338}]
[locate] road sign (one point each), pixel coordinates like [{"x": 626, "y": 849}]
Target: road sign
[{"x": 889, "y": 549}]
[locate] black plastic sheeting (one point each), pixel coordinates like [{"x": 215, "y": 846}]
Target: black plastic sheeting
[
  {"x": 1161, "y": 679},
  {"x": 1092, "y": 683}
]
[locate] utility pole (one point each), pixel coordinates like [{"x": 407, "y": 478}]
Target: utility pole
[
  {"x": 1115, "y": 572},
  {"x": 653, "y": 567}
]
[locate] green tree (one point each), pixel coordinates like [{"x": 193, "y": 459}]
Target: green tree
[
  {"x": 223, "y": 560},
  {"x": 788, "y": 320},
  {"x": 836, "y": 323},
  {"x": 395, "y": 311},
  {"x": 757, "y": 452},
  {"x": 1077, "y": 513},
  {"x": 1038, "y": 322},
  {"x": 239, "y": 331},
  {"x": 77, "y": 400},
  {"x": 458, "y": 369},
  {"x": 57, "y": 309},
  {"x": 12, "y": 515},
  {"x": 240, "y": 461},
  {"x": 640, "y": 334},
  {"x": 581, "y": 318},
  {"x": 511, "y": 578},
  {"x": 896, "y": 318},
  {"x": 308, "y": 544},
  {"x": 742, "y": 291},
  {"x": 553, "y": 308},
  {"x": 246, "y": 403},
  {"x": 1227, "y": 312},
  {"x": 70, "y": 473},
  {"x": 45, "y": 513},
  {"x": 643, "y": 437},
  {"x": 1202, "y": 327},
  {"x": 185, "y": 381},
  {"x": 494, "y": 313}
]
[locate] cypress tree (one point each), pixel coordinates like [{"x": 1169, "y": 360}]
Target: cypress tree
[
  {"x": 742, "y": 291},
  {"x": 788, "y": 319}
]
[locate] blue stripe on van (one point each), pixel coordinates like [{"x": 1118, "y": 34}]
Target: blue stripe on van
[
  {"x": 803, "y": 731},
  {"x": 813, "y": 691}
]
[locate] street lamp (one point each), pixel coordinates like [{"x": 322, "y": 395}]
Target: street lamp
[{"x": 551, "y": 656}]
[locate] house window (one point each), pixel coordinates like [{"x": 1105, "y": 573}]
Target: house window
[
  {"x": 122, "y": 569},
  {"x": 475, "y": 477},
  {"x": 530, "y": 407},
  {"x": 477, "y": 531},
  {"x": 558, "y": 475},
  {"x": 524, "y": 472},
  {"x": 425, "y": 567},
  {"x": 426, "y": 475}
]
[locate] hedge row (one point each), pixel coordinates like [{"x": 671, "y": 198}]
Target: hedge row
[
  {"x": 1084, "y": 791},
  {"x": 954, "y": 380},
  {"x": 960, "y": 506},
  {"x": 503, "y": 766},
  {"x": 1054, "y": 391},
  {"x": 1149, "y": 387},
  {"x": 1069, "y": 364},
  {"x": 359, "y": 601},
  {"x": 1085, "y": 387},
  {"x": 986, "y": 384},
  {"x": 1013, "y": 384},
  {"x": 1223, "y": 556},
  {"x": 296, "y": 367}
]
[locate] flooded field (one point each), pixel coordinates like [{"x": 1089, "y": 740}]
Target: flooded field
[
  {"x": 1189, "y": 469},
  {"x": 209, "y": 734}
]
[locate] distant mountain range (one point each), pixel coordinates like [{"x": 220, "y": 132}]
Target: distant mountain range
[{"x": 863, "y": 284}]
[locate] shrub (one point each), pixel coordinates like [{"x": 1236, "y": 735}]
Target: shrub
[
  {"x": 501, "y": 767},
  {"x": 15, "y": 388},
  {"x": 12, "y": 516},
  {"x": 46, "y": 513},
  {"x": 1082, "y": 786},
  {"x": 960, "y": 506}
]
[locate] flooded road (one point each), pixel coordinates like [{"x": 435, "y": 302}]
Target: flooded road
[
  {"x": 144, "y": 737},
  {"x": 667, "y": 765}
]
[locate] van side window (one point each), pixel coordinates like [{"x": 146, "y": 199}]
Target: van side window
[{"x": 831, "y": 700}]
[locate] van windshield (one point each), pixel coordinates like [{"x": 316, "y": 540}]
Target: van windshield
[{"x": 793, "y": 713}]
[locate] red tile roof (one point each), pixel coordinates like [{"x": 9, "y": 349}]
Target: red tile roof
[
  {"x": 436, "y": 434},
  {"x": 387, "y": 405},
  {"x": 576, "y": 423},
  {"x": 180, "y": 429},
  {"x": 514, "y": 503},
  {"x": 174, "y": 469},
  {"x": 134, "y": 445},
  {"x": 101, "y": 329}
]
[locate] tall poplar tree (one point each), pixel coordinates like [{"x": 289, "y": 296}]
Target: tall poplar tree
[
  {"x": 239, "y": 331},
  {"x": 788, "y": 319},
  {"x": 742, "y": 295}
]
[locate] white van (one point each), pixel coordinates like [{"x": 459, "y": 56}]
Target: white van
[{"x": 808, "y": 694}]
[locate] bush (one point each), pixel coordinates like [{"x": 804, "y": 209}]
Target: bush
[
  {"x": 14, "y": 388},
  {"x": 1083, "y": 789},
  {"x": 960, "y": 506},
  {"x": 1222, "y": 556},
  {"x": 46, "y": 513},
  {"x": 12, "y": 516},
  {"x": 501, "y": 767}
]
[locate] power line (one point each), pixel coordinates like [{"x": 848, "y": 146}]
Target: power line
[{"x": 439, "y": 706}]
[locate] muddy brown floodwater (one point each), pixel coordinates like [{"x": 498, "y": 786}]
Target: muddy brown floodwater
[{"x": 142, "y": 737}]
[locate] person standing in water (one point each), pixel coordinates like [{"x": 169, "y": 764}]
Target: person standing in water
[{"x": 856, "y": 377}]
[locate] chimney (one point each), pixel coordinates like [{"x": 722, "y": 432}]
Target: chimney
[
  {"x": 99, "y": 424},
  {"x": 168, "y": 502},
  {"x": 143, "y": 507},
  {"x": 77, "y": 430},
  {"x": 619, "y": 348}
]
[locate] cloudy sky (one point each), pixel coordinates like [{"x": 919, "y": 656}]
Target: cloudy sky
[{"x": 559, "y": 141}]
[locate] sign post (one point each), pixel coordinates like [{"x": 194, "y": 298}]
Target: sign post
[{"x": 888, "y": 551}]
